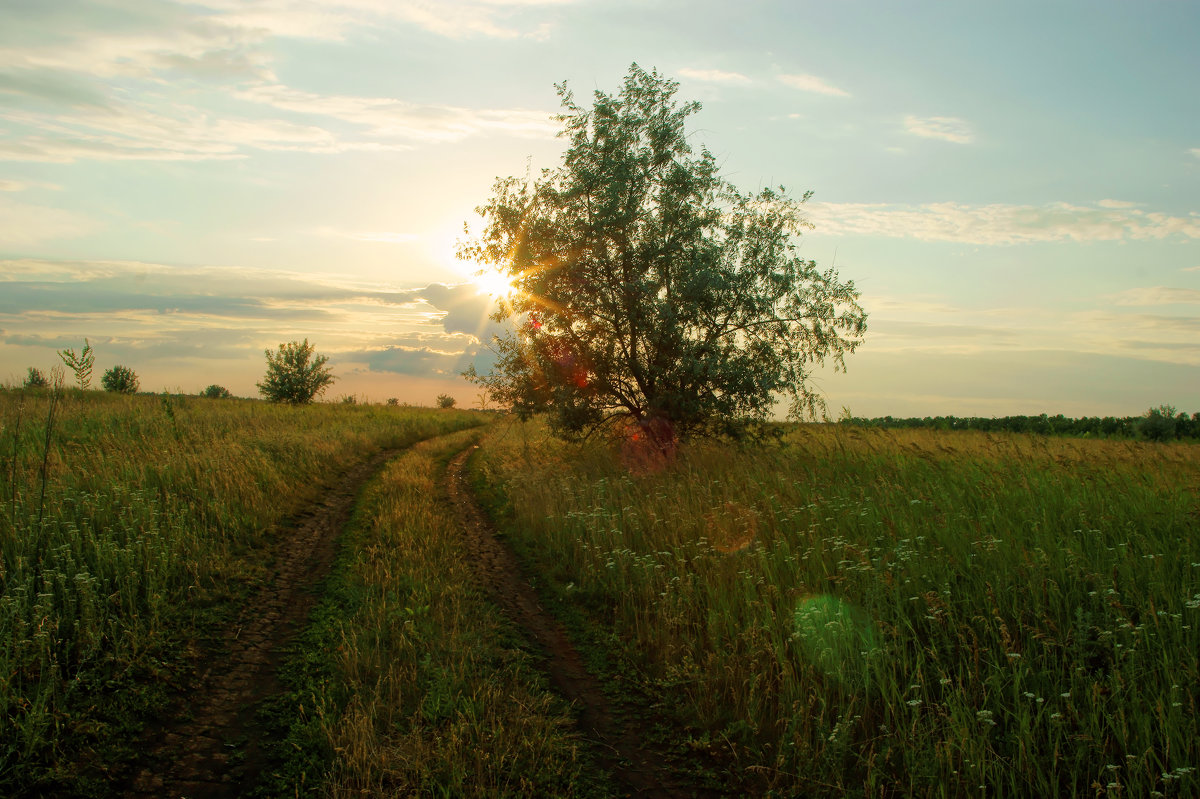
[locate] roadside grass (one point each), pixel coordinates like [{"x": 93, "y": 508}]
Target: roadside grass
[
  {"x": 130, "y": 528},
  {"x": 409, "y": 681},
  {"x": 865, "y": 612}
]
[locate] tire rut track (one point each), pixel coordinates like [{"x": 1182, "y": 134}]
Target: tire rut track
[
  {"x": 619, "y": 747},
  {"x": 211, "y": 748}
]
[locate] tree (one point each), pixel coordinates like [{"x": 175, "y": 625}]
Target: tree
[
  {"x": 80, "y": 364},
  {"x": 293, "y": 375},
  {"x": 120, "y": 379},
  {"x": 647, "y": 286},
  {"x": 216, "y": 392},
  {"x": 1158, "y": 424},
  {"x": 445, "y": 401},
  {"x": 35, "y": 379}
]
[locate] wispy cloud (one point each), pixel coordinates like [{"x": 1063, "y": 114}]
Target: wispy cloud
[
  {"x": 811, "y": 83},
  {"x": 332, "y": 19},
  {"x": 388, "y": 119},
  {"x": 23, "y": 224},
  {"x": 1158, "y": 295},
  {"x": 105, "y": 87},
  {"x": 951, "y": 129},
  {"x": 1000, "y": 224},
  {"x": 714, "y": 75}
]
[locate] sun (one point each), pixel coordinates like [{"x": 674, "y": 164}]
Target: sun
[
  {"x": 490, "y": 280},
  {"x": 487, "y": 278}
]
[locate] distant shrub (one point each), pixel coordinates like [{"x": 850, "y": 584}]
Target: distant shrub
[
  {"x": 349, "y": 399},
  {"x": 35, "y": 379},
  {"x": 393, "y": 402},
  {"x": 216, "y": 392},
  {"x": 1158, "y": 424},
  {"x": 445, "y": 401},
  {"x": 120, "y": 379},
  {"x": 294, "y": 375}
]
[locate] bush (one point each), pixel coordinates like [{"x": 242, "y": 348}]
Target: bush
[
  {"x": 294, "y": 375},
  {"x": 445, "y": 401},
  {"x": 1158, "y": 424},
  {"x": 216, "y": 392},
  {"x": 120, "y": 379},
  {"x": 35, "y": 379},
  {"x": 393, "y": 402}
]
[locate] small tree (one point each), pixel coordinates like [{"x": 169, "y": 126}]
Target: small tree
[
  {"x": 80, "y": 364},
  {"x": 445, "y": 401},
  {"x": 35, "y": 379},
  {"x": 648, "y": 287},
  {"x": 1158, "y": 424},
  {"x": 393, "y": 402},
  {"x": 120, "y": 379},
  {"x": 294, "y": 375},
  {"x": 216, "y": 392}
]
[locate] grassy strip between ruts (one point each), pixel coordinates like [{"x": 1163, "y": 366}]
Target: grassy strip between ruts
[
  {"x": 887, "y": 612},
  {"x": 409, "y": 682},
  {"x": 131, "y": 527}
]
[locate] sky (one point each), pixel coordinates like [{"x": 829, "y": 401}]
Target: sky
[{"x": 1014, "y": 187}]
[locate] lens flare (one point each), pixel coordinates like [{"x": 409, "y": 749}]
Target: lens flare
[{"x": 837, "y": 638}]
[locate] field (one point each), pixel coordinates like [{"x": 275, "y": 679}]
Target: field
[
  {"x": 131, "y": 530},
  {"x": 887, "y": 612},
  {"x": 846, "y": 612}
]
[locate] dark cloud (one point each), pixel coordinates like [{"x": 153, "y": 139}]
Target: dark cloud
[
  {"x": 108, "y": 295},
  {"x": 467, "y": 311}
]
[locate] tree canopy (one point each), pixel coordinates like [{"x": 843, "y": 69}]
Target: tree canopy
[
  {"x": 293, "y": 375},
  {"x": 647, "y": 286}
]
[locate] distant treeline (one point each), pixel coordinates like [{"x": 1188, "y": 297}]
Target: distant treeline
[{"x": 1157, "y": 424}]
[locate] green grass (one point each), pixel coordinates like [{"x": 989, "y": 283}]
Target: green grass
[
  {"x": 130, "y": 526},
  {"x": 409, "y": 682},
  {"x": 888, "y": 613}
]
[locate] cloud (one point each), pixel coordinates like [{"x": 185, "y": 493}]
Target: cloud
[
  {"x": 1000, "y": 224},
  {"x": 103, "y": 87},
  {"x": 951, "y": 129},
  {"x": 156, "y": 311},
  {"x": 811, "y": 83},
  {"x": 387, "y": 118},
  {"x": 22, "y": 224},
  {"x": 714, "y": 75},
  {"x": 1158, "y": 295},
  {"x": 1195, "y": 151}
]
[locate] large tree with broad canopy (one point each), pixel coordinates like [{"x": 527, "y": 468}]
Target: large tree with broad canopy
[{"x": 648, "y": 287}]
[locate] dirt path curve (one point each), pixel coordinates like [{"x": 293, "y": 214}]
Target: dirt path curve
[
  {"x": 619, "y": 747},
  {"x": 211, "y": 749}
]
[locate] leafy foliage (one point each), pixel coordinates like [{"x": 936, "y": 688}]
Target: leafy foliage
[
  {"x": 445, "y": 401},
  {"x": 294, "y": 374},
  {"x": 80, "y": 364},
  {"x": 1159, "y": 424},
  {"x": 216, "y": 392},
  {"x": 647, "y": 286},
  {"x": 35, "y": 379},
  {"x": 120, "y": 379}
]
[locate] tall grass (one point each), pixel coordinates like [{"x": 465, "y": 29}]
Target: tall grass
[
  {"x": 410, "y": 682},
  {"x": 890, "y": 612},
  {"x": 129, "y": 525}
]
